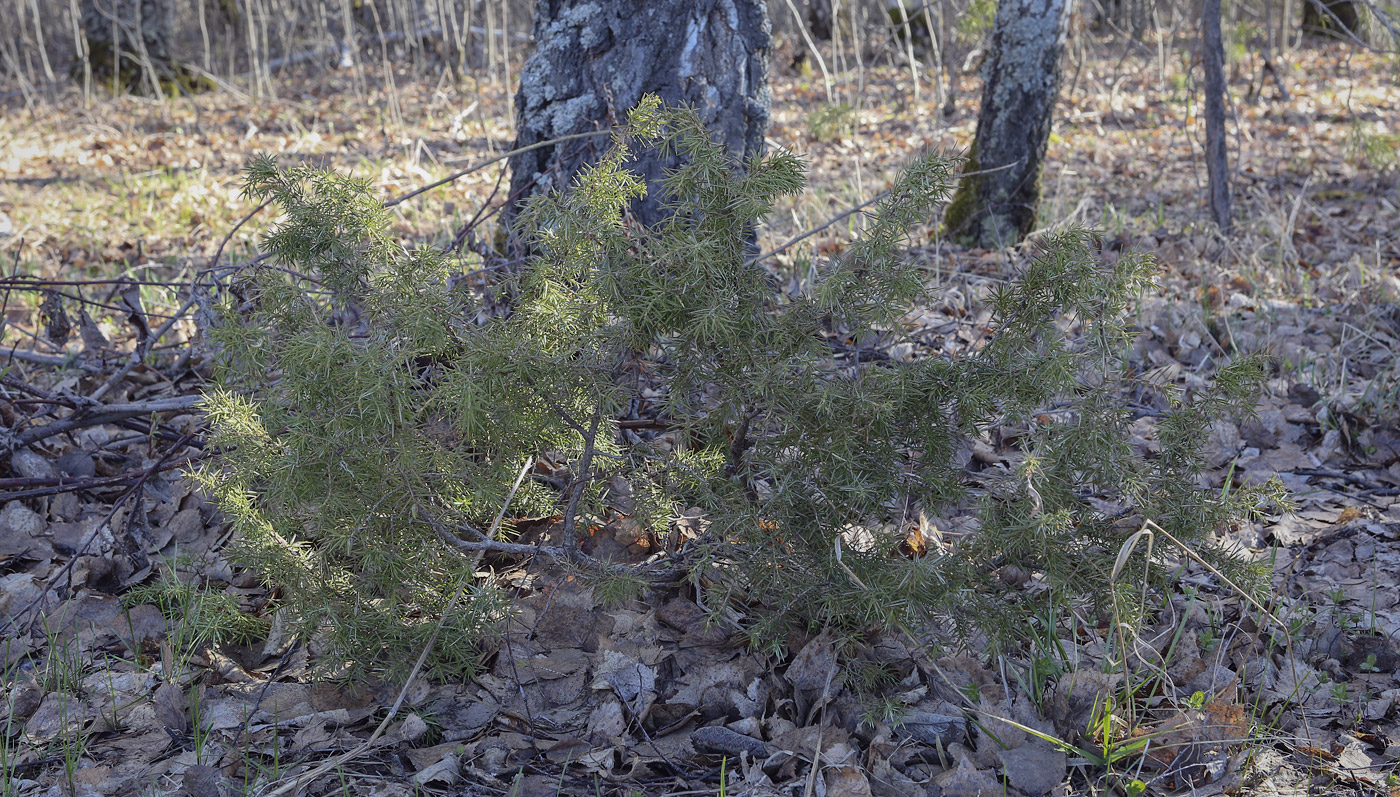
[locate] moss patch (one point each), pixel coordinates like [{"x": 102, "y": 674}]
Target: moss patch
[{"x": 962, "y": 207}]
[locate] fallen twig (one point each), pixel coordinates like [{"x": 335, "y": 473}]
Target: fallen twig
[
  {"x": 53, "y": 485},
  {"x": 1339, "y": 475},
  {"x": 54, "y": 360},
  {"x": 94, "y": 415}
]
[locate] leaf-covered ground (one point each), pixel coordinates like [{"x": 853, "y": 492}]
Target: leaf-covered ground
[{"x": 108, "y": 696}]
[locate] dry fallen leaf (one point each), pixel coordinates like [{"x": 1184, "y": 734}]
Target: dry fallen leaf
[{"x": 169, "y": 700}]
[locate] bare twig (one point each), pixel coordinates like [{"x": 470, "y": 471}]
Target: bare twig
[
  {"x": 791, "y": 242},
  {"x": 74, "y": 401},
  {"x": 66, "y": 484},
  {"x": 816, "y": 53},
  {"x": 590, "y": 439},
  {"x": 54, "y": 360},
  {"x": 34, "y": 284},
  {"x": 497, "y": 546},
  {"x": 480, "y": 215},
  {"x": 1380, "y": 14},
  {"x": 1339, "y": 475},
  {"x": 138, "y": 356},
  {"x": 218, "y": 253},
  {"x": 100, "y": 414},
  {"x": 483, "y": 164}
]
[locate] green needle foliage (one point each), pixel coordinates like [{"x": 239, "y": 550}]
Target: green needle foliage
[
  {"x": 201, "y": 615},
  {"x": 369, "y": 426}
]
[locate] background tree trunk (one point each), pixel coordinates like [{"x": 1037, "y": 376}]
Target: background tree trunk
[
  {"x": 1217, "y": 157},
  {"x": 128, "y": 48},
  {"x": 1021, "y": 84},
  {"x": 1335, "y": 17},
  {"x": 595, "y": 59},
  {"x": 819, "y": 21}
]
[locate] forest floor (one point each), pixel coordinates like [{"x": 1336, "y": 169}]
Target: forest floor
[{"x": 107, "y": 697}]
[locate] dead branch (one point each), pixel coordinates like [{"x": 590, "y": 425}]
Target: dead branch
[
  {"x": 95, "y": 415},
  {"x": 54, "y": 360},
  {"x": 52, "y": 485}
]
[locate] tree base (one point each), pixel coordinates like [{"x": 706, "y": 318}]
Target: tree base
[
  {"x": 1331, "y": 18},
  {"x": 962, "y": 208},
  {"x": 126, "y": 75}
]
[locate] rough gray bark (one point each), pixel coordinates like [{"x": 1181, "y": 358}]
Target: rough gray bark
[
  {"x": 1217, "y": 158},
  {"x": 1021, "y": 85},
  {"x": 595, "y": 59}
]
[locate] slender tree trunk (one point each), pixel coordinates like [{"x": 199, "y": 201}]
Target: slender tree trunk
[
  {"x": 1020, "y": 88},
  {"x": 1217, "y": 156},
  {"x": 595, "y": 59}
]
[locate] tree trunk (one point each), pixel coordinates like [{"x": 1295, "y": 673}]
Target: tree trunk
[
  {"x": 1330, "y": 17},
  {"x": 1217, "y": 158},
  {"x": 1133, "y": 16},
  {"x": 910, "y": 20},
  {"x": 1021, "y": 84},
  {"x": 128, "y": 48},
  {"x": 818, "y": 13},
  {"x": 595, "y": 59}
]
